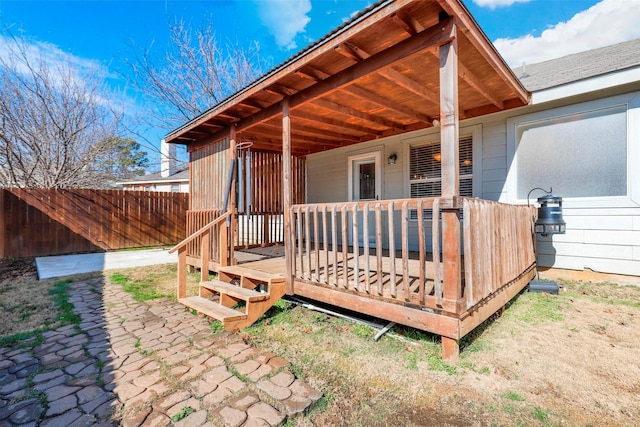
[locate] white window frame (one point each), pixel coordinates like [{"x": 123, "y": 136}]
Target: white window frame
[
  {"x": 475, "y": 132},
  {"x": 632, "y": 198}
]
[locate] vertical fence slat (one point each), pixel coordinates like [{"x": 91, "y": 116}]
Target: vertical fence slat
[
  {"x": 356, "y": 249},
  {"x": 435, "y": 244},
  {"x": 316, "y": 241},
  {"x": 307, "y": 239},
  {"x": 421, "y": 248},
  {"x": 334, "y": 243},
  {"x": 365, "y": 244},
  {"x": 392, "y": 250},
  {"x": 405, "y": 249},
  {"x": 345, "y": 244},
  {"x": 325, "y": 243},
  {"x": 378, "y": 249}
]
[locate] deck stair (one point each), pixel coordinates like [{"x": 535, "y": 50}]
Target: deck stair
[{"x": 219, "y": 299}]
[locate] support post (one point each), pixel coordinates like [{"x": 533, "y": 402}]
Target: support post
[
  {"x": 181, "y": 292},
  {"x": 287, "y": 190},
  {"x": 449, "y": 142},
  {"x": 205, "y": 247},
  {"x": 232, "y": 200}
]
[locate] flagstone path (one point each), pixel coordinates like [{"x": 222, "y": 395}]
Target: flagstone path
[{"x": 144, "y": 364}]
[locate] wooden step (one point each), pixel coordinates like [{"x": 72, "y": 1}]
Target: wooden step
[
  {"x": 261, "y": 276},
  {"x": 234, "y": 291},
  {"x": 212, "y": 309}
]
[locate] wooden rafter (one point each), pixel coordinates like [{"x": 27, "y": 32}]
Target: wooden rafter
[
  {"x": 399, "y": 78},
  {"x": 333, "y": 122},
  {"x": 302, "y": 129},
  {"x": 483, "y": 46},
  {"x": 342, "y": 109},
  {"x": 410, "y": 84},
  {"x": 407, "y": 23},
  {"x": 379, "y": 100},
  {"x": 278, "y": 89},
  {"x": 276, "y": 133},
  {"x": 312, "y": 74},
  {"x": 433, "y": 36}
]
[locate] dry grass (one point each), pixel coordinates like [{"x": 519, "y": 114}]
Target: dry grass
[
  {"x": 569, "y": 359},
  {"x": 25, "y": 303}
]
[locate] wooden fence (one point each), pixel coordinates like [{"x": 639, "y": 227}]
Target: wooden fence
[{"x": 38, "y": 222}]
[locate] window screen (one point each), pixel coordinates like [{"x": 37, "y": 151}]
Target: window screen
[{"x": 582, "y": 155}]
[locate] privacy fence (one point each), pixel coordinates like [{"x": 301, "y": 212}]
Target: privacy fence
[{"x": 38, "y": 222}]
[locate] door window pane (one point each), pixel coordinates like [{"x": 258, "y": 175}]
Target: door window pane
[{"x": 367, "y": 180}]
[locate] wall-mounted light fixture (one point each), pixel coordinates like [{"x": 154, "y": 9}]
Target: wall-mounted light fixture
[
  {"x": 437, "y": 157},
  {"x": 392, "y": 159}
]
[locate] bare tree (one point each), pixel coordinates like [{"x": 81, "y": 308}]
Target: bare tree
[
  {"x": 55, "y": 118},
  {"x": 191, "y": 75}
]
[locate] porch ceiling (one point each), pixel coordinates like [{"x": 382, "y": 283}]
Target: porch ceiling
[{"x": 374, "y": 77}]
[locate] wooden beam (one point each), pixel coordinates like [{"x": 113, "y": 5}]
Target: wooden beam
[
  {"x": 420, "y": 319},
  {"x": 287, "y": 190},
  {"x": 379, "y": 100},
  {"x": 342, "y": 109}
]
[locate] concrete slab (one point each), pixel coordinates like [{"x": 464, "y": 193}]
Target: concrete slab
[{"x": 65, "y": 265}]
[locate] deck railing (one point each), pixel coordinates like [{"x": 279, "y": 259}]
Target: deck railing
[
  {"x": 256, "y": 229},
  {"x": 347, "y": 245},
  {"x": 498, "y": 246},
  {"x": 392, "y": 249},
  {"x": 217, "y": 227}
]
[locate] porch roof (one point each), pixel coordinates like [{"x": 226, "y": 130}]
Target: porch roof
[{"x": 375, "y": 76}]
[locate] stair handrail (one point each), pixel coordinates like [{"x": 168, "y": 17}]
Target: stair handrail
[{"x": 201, "y": 231}]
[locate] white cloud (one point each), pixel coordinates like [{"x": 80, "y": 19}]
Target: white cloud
[
  {"x": 606, "y": 23},
  {"x": 45, "y": 54},
  {"x": 492, "y": 4},
  {"x": 285, "y": 19}
]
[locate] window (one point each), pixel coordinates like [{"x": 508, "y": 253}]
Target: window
[
  {"x": 579, "y": 155},
  {"x": 175, "y": 188},
  {"x": 425, "y": 175}
]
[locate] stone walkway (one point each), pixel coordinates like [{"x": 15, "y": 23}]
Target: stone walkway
[{"x": 136, "y": 364}]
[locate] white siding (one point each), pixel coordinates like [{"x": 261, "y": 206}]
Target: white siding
[{"x": 602, "y": 236}]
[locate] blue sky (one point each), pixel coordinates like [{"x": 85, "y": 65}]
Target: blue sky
[{"x": 96, "y": 33}]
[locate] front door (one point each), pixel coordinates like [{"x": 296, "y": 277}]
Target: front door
[{"x": 365, "y": 184}]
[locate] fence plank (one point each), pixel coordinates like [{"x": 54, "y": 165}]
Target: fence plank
[{"x": 60, "y": 221}]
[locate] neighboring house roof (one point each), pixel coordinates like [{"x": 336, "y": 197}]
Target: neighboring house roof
[
  {"x": 181, "y": 176},
  {"x": 579, "y": 66}
]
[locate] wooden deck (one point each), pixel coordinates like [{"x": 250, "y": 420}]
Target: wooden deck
[{"x": 380, "y": 283}]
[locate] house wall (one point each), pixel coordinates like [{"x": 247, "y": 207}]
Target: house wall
[
  {"x": 603, "y": 233},
  {"x": 183, "y": 187}
]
